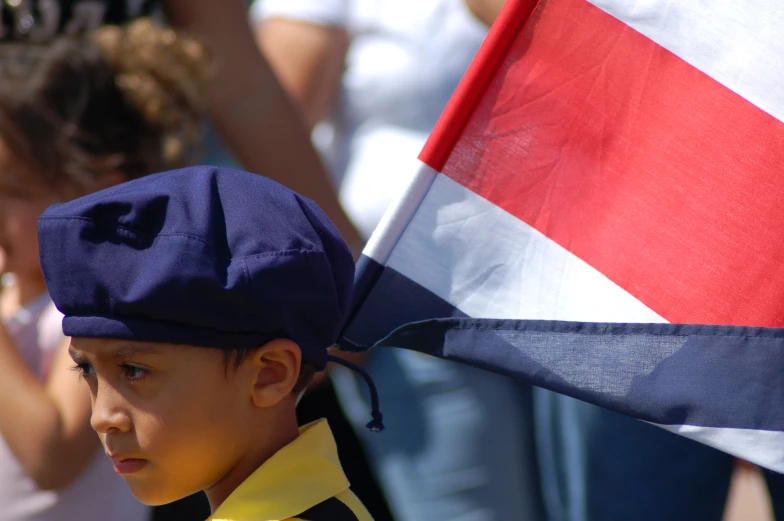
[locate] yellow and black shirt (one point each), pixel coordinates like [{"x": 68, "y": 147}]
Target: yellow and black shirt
[{"x": 302, "y": 481}]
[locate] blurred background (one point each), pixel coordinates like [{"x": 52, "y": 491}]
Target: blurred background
[{"x": 334, "y": 98}]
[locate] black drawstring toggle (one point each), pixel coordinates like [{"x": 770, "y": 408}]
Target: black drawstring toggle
[{"x": 377, "y": 423}]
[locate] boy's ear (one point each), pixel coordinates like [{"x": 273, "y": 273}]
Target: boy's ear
[{"x": 275, "y": 367}]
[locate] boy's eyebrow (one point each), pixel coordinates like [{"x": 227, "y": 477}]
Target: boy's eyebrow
[
  {"x": 134, "y": 349},
  {"x": 76, "y": 355},
  {"x": 122, "y": 351}
]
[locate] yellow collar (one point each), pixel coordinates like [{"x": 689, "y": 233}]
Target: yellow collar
[{"x": 297, "y": 477}]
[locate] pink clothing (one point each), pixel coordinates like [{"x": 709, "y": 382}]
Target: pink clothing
[{"x": 99, "y": 493}]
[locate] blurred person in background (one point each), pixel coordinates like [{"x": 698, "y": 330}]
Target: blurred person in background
[
  {"x": 372, "y": 77},
  {"x": 76, "y": 115},
  {"x": 252, "y": 114}
]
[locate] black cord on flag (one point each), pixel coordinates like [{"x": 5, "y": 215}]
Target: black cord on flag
[{"x": 377, "y": 423}]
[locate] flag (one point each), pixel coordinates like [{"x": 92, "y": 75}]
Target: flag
[{"x": 600, "y": 212}]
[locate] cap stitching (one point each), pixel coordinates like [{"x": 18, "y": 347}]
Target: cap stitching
[
  {"x": 281, "y": 252},
  {"x": 124, "y": 319},
  {"x": 247, "y": 281},
  {"x": 127, "y": 229}
]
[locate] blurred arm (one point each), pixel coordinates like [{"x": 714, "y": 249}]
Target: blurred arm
[
  {"x": 485, "y": 10},
  {"x": 253, "y": 114},
  {"x": 47, "y": 427},
  {"x": 307, "y": 58}
]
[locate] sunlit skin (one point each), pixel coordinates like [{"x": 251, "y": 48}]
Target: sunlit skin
[{"x": 176, "y": 420}]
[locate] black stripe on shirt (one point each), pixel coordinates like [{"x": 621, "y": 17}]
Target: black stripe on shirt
[{"x": 332, "y": 509}]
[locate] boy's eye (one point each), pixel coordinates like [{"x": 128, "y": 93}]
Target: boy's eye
[
  {"x": 133, "y": 373},
  {"x": 84, "y": 369}
]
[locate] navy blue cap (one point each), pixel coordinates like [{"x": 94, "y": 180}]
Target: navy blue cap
[{"x": 203, "y": 256}]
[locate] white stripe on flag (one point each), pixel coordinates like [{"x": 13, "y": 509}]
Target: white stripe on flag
[
  {"x": 757, "y": 446},
  {"x": 738, "y": 44},
  {"x": 398, "y": 215},
  {"x": 489, "y": 264}
]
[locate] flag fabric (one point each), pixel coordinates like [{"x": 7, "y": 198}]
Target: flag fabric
[{"x": 601, "y": 212}]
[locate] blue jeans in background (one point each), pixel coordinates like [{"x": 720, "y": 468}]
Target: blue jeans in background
[
  {"x": 597, "y": 465},
  {"x": 458, "y": 443}
]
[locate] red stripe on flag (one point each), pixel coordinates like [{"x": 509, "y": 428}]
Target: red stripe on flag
[
  {"x": 480, "y": 73},
  {"x": 638, "y": 163}
]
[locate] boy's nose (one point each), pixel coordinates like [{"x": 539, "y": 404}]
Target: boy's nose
[{"x": 108, "y": 414}]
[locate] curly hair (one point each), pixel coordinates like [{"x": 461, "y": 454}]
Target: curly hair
[{"x": 125, "y": 99}]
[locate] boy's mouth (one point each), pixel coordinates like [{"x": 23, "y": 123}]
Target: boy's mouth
[{"x": 125, "y": 466}]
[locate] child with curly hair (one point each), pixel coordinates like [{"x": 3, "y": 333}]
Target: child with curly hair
[{"x": 77, "y": 115}]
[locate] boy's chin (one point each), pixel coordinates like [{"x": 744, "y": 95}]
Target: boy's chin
[{"x": 154, "y": 493}]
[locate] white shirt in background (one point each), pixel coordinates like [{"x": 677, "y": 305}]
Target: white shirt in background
[{"x": 405, "y": 59}]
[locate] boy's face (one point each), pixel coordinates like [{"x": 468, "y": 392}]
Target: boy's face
[{"x": 171, "y": 418}]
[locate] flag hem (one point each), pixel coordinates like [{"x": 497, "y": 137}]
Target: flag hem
[{"x": 491, "y": 54}]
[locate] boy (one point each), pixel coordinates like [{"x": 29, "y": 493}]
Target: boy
[{"x": 200, "y": 302}]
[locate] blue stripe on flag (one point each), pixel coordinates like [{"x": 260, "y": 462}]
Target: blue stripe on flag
[
  {"x": 670, "y": 374},
  {"x": 385, "y": 300}
]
